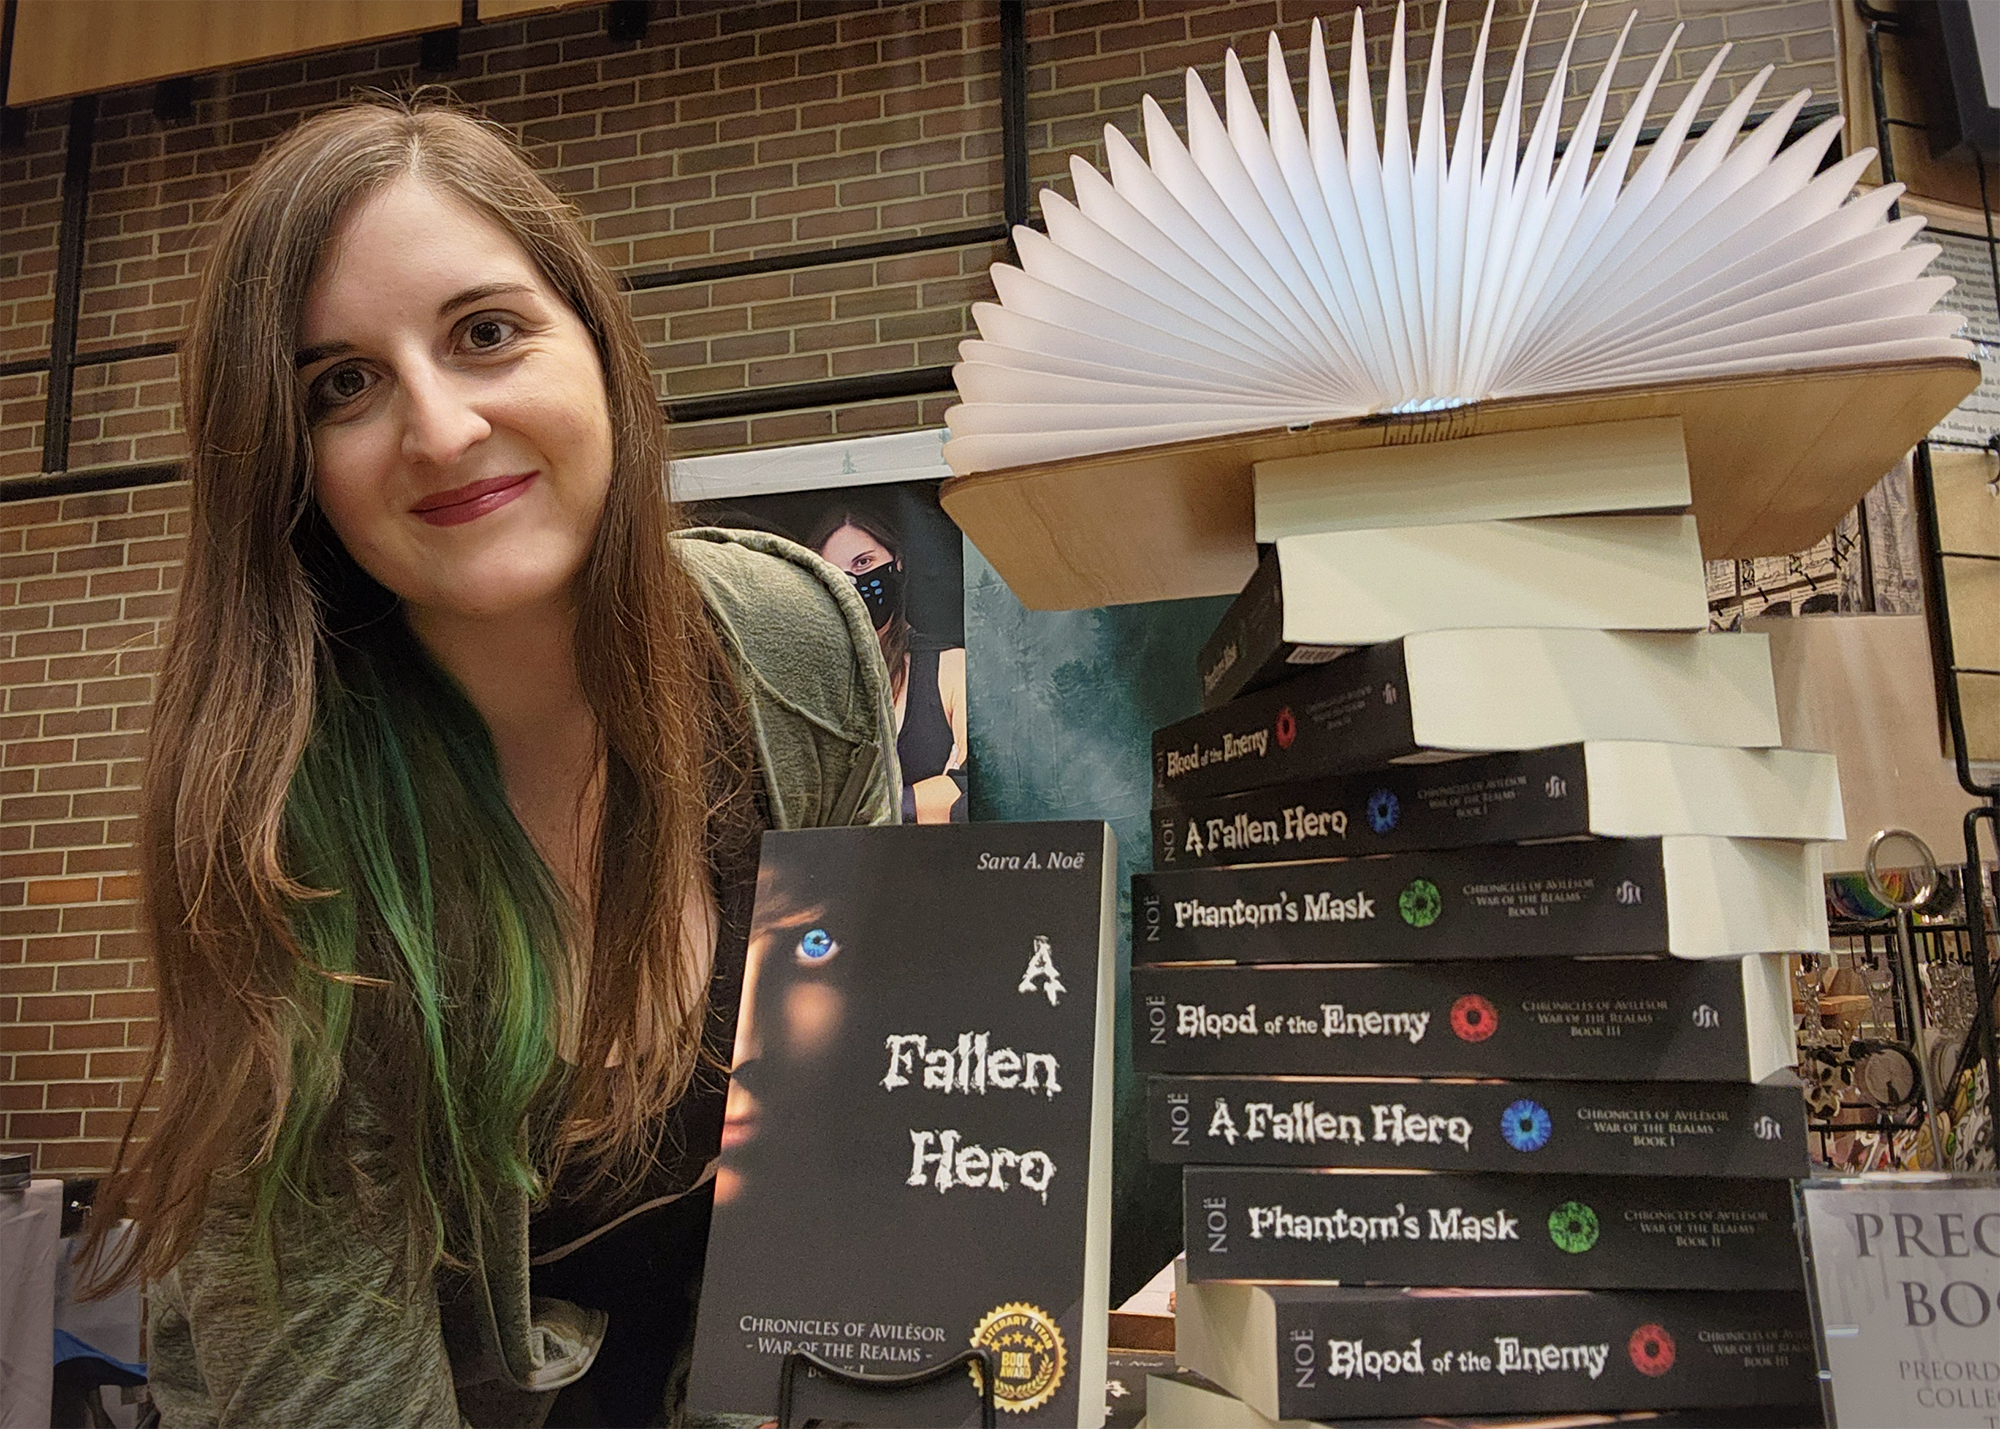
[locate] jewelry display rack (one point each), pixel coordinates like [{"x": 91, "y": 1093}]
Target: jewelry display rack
[{"x": 1857, "y": 1046}]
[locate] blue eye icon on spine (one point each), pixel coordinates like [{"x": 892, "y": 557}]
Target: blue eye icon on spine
[
  {"x": 817, "y": 946},
  {"x": 1384, "y": 808},
  {"x": 1526, "y": 1125}
]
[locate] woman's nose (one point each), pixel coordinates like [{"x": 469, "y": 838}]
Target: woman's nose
[
  {"x": 749, "y": 1044},
  {"x": 441, "y": 420}
]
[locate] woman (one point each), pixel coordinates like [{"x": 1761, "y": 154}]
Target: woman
[
  {"x": 926, "y": 677},
  {"x": 459, "y": 761}
]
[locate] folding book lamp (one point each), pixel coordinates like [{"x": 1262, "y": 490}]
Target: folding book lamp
[{"x": 1248, "y": 324}]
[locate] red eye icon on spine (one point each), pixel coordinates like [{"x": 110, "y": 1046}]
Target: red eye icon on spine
[
  {"x": 1287, "y": 727},
  {"x": 1473, "y": 1018},
  {"x": 1652, "y": 1350}
]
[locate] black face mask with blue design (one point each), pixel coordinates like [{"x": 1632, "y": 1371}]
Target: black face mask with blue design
[{"x": 881, "y": 590}]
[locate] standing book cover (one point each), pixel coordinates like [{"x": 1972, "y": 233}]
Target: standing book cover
[{"x": 916, "y": 1159}]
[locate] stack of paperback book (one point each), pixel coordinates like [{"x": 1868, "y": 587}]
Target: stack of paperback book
[
  {"x": 1497, "y": 1121},
  {"x": 1461, "y": 974}
]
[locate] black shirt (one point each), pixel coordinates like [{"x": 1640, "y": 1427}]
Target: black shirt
[{"x": 636, "y": 1251}]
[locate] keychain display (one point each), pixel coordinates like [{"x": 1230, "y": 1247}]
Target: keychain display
[{"x": 1884, "y": 1019}]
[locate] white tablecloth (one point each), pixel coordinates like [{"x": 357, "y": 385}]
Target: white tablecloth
[
  {"x": 30, "y": 1241},
  {"x": 112, "y": 1324}
]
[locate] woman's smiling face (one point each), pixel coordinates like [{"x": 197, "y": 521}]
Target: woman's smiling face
[{"x": 460, "y": 431}]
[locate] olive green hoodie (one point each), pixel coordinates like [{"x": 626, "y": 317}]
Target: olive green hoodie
[{"x": 355, "y": 1335}]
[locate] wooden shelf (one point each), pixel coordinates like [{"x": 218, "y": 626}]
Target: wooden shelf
[
  {"x": 1775, "y": 459},
  {"x": 69, "y": 47}
]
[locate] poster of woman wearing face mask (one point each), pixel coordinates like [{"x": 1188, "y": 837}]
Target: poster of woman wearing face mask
[{"x": 905, "y": 558}]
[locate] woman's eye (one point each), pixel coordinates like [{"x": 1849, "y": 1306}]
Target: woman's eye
[
  {"x": 816, "y": 947},
  {"x": 338, "y": 387},
  {"x": 484, "y": 333}
]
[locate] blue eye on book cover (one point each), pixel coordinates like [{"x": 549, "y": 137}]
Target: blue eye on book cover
[{"x": 916, "y": 1151}]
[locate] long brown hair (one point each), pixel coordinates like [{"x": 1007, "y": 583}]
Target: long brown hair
[{"x": 258, "y": 716}]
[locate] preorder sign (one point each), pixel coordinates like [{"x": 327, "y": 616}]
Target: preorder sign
[{"x": 1908, "y": 1274}]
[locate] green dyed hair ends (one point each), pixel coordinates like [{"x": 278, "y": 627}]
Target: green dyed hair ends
[{"x": 434, "y": 946}]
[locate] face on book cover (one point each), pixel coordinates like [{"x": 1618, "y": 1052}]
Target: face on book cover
[{"x": 791, "y": 1013}]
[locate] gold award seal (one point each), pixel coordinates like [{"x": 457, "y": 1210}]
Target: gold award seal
[{"x": 1029, "y": 1348}]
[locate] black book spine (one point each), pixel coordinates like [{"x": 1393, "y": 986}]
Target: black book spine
[
  {"x": 1350, "y": 713},
  {"x": 1388, "y": 1356},
  {"x": 1254, "y": 622},
  {"x": 1561, "y": 1018},
  {"x": 1423, "y": 1228},
  {"x": 1565, "y": 1128},
  {"x": 1600, "y": 896},
  {"x": 1456, "y": 803},
  {"x": 1248, "y": 650}
]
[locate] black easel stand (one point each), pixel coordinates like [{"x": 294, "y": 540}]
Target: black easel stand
[{"x": 888, "y": 1383}]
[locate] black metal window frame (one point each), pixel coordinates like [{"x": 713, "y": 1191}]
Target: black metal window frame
[{"x": 64, "y": 359}]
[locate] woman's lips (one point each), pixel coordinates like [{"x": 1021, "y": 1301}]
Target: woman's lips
[
  {"x": 738, "y": 1130},
  {"x": 471, "y": 501},
  {"x": 739, "y": 1117}
]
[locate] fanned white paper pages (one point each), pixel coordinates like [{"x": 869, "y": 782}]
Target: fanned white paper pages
[{"x": 1264, "y": 274}]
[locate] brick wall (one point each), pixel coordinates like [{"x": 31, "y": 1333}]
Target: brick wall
[
  {"x": 30, "y": 209},
  {"x": 727, "y": 132},
  {"x": 1092, "y": 63},
  {"x": 730, "y": 131},
  {"x": 87, "y": 584}
]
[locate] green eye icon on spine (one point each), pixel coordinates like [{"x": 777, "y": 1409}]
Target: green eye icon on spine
[
  {"x": 1420, "y": 903},
  {"x": 1573, "y": 1227}
]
